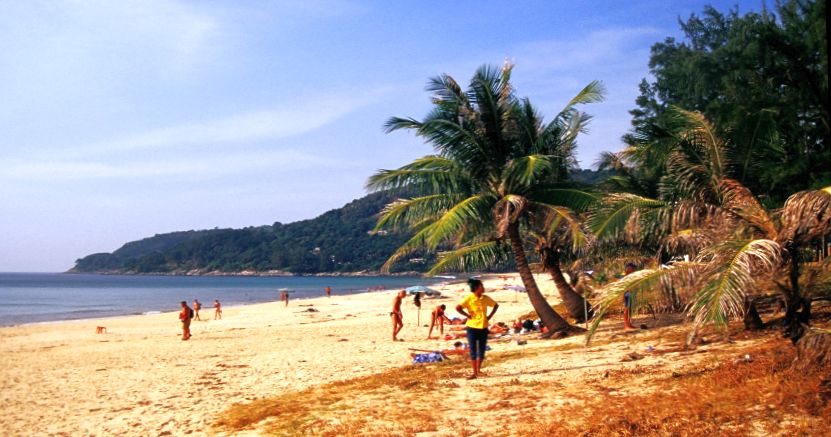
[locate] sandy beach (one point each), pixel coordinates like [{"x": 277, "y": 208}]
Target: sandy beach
[{"x": 140, "y": 378}]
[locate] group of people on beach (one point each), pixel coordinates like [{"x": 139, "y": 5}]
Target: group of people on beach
[
  {"x": 187, "y": 314},
  {"x": 474, "y": 307}
]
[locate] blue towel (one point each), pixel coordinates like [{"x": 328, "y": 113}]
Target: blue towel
[{"x": 432, "y": 357}]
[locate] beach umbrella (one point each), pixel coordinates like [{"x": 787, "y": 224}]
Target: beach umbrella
[
  {"x": 516, "y": 288},
  {"x": 422, "y": 289}
]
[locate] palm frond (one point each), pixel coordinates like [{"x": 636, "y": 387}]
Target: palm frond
[
  {"x": 415, "y": 242},
  {"x": 397, "y": 123},
  {"x": 410, "y": 212},
  {"x": 609, "y": 219},
  {"x": 736, "y": 265},
  {"x": 572, "y": 198},
  {"x": 806, "y": 215},
  {"x": 737, "y": 199},
  {"x": 591, "y": 93},
  {"x": 453, "y": 221},
  {"x": 642, "y": 286},
  {"x": 430, "y": 174},
  {"x": 521, "y": 172},
  {"x": 470, "y": 258},
  {"x": 558, "y": 218}
]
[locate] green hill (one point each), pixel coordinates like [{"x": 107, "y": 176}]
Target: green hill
[{"x": 338, "y": 241}]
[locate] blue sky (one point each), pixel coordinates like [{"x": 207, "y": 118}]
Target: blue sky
[{"x": 123, "y": 119}]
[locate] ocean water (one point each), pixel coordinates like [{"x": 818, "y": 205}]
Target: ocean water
[{"x": 46, "y": 297}]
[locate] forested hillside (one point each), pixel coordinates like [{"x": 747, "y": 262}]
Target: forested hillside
[{"x": 339, "y": 240}]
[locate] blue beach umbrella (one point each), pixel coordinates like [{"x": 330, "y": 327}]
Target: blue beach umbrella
[{"x": 422, "y": 289}]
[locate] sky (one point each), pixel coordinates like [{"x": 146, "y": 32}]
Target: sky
[{"x": 122, "y": 120}]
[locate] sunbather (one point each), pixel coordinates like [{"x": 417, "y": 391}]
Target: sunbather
[{"x": 435, "y": 356}]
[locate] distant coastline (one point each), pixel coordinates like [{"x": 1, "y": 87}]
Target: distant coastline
[{"x": 271, "y": 273}]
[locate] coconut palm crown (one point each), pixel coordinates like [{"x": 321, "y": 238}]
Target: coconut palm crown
[{"x": 496, "y": 166}]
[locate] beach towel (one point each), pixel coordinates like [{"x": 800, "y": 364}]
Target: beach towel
[{"x": 432, "y": 357}]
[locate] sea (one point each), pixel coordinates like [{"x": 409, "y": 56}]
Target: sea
[{"x": 49, "y": 297}]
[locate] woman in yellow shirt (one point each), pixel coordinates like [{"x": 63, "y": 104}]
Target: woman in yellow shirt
[{"x": 475, "y": 307}]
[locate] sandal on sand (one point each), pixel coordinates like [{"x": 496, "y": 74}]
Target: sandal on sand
[{"x": 471, "y": 377}]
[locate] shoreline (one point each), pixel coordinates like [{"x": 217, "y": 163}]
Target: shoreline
[{"x": 140, "y": 378}]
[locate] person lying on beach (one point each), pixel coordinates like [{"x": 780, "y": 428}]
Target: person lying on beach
[
  {"x": 434, "y": 356},
  {"x": 438, "y": 317},
  {"x": 396, "y": 315},
  {"x": 498, "y": 328}
]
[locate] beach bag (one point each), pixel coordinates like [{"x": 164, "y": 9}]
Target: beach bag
[{"x": 190, "y": 313}]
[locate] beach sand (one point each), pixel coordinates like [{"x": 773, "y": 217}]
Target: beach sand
[{"x": 140, "y": 378}]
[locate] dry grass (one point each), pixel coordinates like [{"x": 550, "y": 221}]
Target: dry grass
[
  {"x": 718, "y": 393},
  {"x": 763, "y": 396}
]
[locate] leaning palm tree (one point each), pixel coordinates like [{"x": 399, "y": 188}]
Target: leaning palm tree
[
  {"x": 496, "y": 165},
  {"x": 559, "y": 234}
]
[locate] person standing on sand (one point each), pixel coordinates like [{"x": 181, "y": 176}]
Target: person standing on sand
[
  {"x": 475, "y": 306},
  {"x": 184, "y": 317},
  {"x": 396, "y": 315},
  {"x": 217, "y": 310},
  {"x": 438, "y": 317},
  {"x": 328, "y": 291},
  {"x": 196, "y": 307},
  {"x": 284, "y": 296},
  {"x": 627, "y": 300}
]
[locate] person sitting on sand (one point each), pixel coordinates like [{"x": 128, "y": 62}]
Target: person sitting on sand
[
  {"x": 217, "y": 310},
  {"x": 196, "y": 307},
  {"x": 438, "y": 317},
  {"x": 396, "y": 315},
  {"x": 184, "y": 317}
]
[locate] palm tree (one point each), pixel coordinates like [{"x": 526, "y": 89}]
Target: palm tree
[
  {"x": 733, "y": 240},
  {"x": 496, "y": 165},
  {"x": 562, "y": 233}
]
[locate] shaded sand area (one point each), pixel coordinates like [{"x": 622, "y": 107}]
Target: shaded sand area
[{"x": 328, "y": 367}]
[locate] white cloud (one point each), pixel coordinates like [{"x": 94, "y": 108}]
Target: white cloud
[
  {"x": 216, "y": 165},
  {"x": 295, "y": 118}
]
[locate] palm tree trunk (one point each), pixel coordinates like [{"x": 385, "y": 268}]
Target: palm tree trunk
[
  {"x": 549, "y": 317},
  {"x": 752, "y": 320},
  {"x": 794, "y": 302},
  {"x": 576, "y": 304}
]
